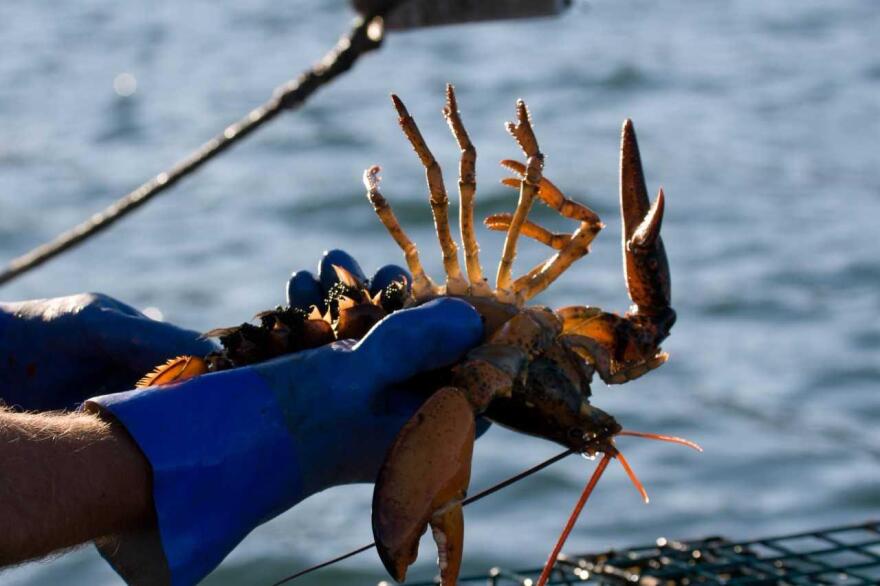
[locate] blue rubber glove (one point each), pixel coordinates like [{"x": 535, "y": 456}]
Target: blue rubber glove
[
  {"x": 234, "y": 449},
  {"x": 58, "y": 352},
  {"x": 305, "y": 290}
]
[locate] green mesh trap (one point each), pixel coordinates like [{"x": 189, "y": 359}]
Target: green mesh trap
[{"x": 847, "y": 555}]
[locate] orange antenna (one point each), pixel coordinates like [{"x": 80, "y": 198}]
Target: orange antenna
[
  {"x": 572, "y": 519},
  {"x": 632, "y": 475},
  {"x": 612, "y": 452},
  {"x": 663, "y": 438}
]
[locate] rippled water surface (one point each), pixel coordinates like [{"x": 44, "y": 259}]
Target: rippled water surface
[{"x": 760, "y": 119}]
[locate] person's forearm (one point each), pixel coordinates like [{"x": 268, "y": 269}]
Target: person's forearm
[{"x": 66, "y": 479}]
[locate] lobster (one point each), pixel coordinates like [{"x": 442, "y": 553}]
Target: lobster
[{"x": 534, "y": 369}]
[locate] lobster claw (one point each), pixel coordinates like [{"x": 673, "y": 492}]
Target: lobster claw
[
  {"x": 423, "y": 482},
  {"x": 645, "y": 265}
]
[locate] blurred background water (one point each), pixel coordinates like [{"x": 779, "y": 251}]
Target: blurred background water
[{"x": 760, "y": 119}]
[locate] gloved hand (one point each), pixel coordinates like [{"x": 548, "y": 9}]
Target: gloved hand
[
  {"x": 233, "y": 449},
  {"x": 305, "y": 290},
  {"x": 58, "y": 352}
]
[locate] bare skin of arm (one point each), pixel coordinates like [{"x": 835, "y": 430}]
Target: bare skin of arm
[{"x": 65, "y": 479}]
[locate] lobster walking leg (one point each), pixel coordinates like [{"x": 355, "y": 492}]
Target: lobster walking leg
[
  {"x": 501, "y": 223},
  {"x": 571, "y": 247},
  {"x": 422, "y": 286},
  {"x": 551, "y": 195},
  {"x": 467, "y": 186},
  {"x": 524, "y": 135},
  {"x": 455, "y": 283},
  {"x": 579, "y": 245}
]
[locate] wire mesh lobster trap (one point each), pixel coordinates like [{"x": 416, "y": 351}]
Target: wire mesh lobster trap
[{"x": 841, "y": 555}]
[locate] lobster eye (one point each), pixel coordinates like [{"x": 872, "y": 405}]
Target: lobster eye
[{"x": 576, "y": 433}]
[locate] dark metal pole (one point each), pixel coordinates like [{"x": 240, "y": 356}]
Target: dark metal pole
[{"x": 421, "y": 13}]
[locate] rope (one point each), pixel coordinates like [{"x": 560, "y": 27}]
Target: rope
[
  {"x": 472, "y": 499},
  {"x": 366, "y": 35}
]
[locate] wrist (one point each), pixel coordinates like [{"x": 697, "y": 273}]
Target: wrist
[{"x": 40, "y": 452}]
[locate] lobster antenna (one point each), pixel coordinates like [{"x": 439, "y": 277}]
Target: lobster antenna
[
  {"x": 663, "y": 438},
  {"x": 575, "y": 513},
  {"x": 505, "y": 483},
  {"x": 594, "y": 479},
  {"x": 632, "y": 475}
]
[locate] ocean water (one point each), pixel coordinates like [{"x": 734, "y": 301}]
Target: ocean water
[{"x": 759, "y": 118}]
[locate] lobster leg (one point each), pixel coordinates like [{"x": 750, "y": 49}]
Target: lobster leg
[
  {"x": 422, "y": 286},
  {"x": 455, "y": 283},
  {"x": 525, "y": 136},
  {"x": 579, "y": 245},
  {"x": 551, "y": 195},
  {"x": 571, "y": 247},
  {"x": 501, "y": 223},
  {"x": 467, "y": 186}
]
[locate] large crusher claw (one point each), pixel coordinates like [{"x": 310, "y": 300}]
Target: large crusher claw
[
  {"x": 645, "y": 265},
  {"x": 422, "y": 482}
]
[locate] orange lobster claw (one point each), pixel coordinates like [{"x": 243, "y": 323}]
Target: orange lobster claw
[
  {"x": 423, "y": 482},
  {"x": 645, "y": 265}
]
